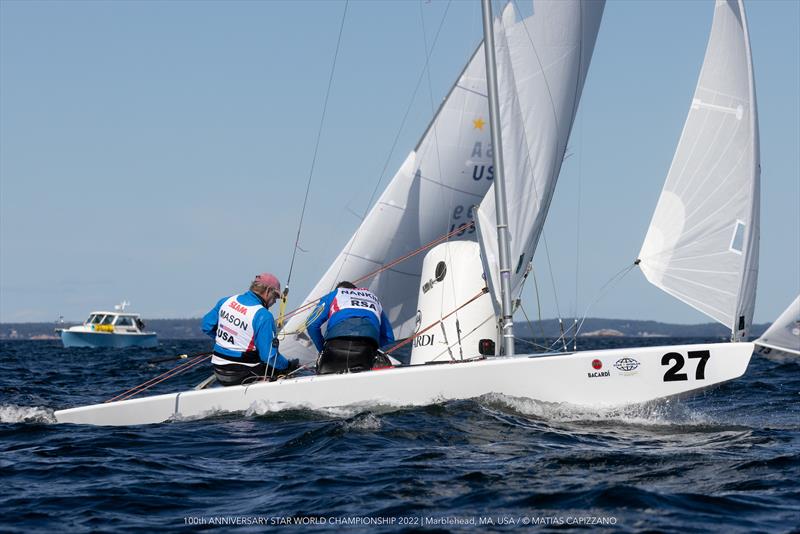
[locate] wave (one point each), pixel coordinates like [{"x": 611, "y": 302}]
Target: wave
[
  {"x": 664, "y": 413},
  {"x": 12, "y": 413}
]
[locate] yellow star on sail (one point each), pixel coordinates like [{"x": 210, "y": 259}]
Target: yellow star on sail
[{"x": 478, "y": 123}]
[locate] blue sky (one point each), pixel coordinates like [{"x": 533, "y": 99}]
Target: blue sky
[{"x": 159, "y": 151}]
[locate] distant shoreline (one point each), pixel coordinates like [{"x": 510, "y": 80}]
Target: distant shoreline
[{"x": 548, "y": 328}]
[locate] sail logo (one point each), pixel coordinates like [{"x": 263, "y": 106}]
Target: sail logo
[{"x": 479, "y": 172}]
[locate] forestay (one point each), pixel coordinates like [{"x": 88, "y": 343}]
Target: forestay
[
  {"x": 542, "y": 63},
  {"x": 702, "y": 244},
  {"x": 448, "y": 172},
  {"x": 784, "y": 333}
]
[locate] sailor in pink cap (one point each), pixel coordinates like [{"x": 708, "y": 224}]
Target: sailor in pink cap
[{"x": 243, "y": 328}]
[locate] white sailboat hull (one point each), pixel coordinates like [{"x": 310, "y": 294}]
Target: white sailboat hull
[{"x": 622, "y": 377}]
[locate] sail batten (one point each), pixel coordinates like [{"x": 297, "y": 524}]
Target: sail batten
[{"x": 705, "y": 225}]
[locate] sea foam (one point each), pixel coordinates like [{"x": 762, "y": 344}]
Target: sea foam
[{"x": 12, "y": 413}]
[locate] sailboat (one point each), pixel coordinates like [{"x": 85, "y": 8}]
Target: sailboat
[
  {"x": 535, "y": 67},
  {"x": 782, "y": 338}
]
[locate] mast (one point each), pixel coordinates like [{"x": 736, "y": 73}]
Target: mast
[
  {"x": 499, "y": 181},
  {"x": 745, "y": 296}
]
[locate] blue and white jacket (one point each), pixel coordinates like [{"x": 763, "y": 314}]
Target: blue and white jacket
[
  {"x": 350, "y": 313},
  {"x": 243, "y": 330}
]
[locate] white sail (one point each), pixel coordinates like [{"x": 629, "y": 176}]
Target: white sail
[
  {"x": 542, "y": 63},
  {"x": 702, "y": 244},
  {"x": 448, "y": 172},
  {"x": 784, "y": 334}
]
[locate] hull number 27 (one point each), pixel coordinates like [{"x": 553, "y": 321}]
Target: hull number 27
[{"x": 673, "y": 374}]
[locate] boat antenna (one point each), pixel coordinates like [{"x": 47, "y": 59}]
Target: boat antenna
[
  {"x": 499, "y": 181},
  {"x": 311, "y": 171}
]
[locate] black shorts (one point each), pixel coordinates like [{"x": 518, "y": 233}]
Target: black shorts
[
  {"x": 234, "y": 374},
  {"x": 347, "y": 355}
]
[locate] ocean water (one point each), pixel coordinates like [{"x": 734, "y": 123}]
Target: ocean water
[{"x": 725, "y": 460}]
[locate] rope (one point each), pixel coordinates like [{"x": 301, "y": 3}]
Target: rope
[
  {"x": 546, "y": 350},
  {"x": 530, "y": 325},
  {"x": 397, "y": 135},
  {"x": 160, "y": 378},
  {"x": 411, "y": 338},
  {"x": 316, "y": 149},
  {"x": 460, "y": 345},
  {"x": 385, "y": 267},
  {"x": 603, "y": 290}
]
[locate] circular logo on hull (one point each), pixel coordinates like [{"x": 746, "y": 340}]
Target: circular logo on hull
[
  {"x": 626, "y": 364},
  {"x": 597, "y": 364}
]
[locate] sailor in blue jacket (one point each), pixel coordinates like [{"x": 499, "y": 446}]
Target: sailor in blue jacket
[
  {"x": 357, "y": 326},
  {"x": 244, "y": 333}
]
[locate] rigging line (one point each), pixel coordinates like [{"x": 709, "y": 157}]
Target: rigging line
[
  {"x": 552, "y": 278},
  {"x": 316, "y": 147},
  {"x": 459, "y": 343},
  {"x": 580, "y": 178},
  {"x": 167, "y": 374},
  {"x": 166, "y": 377},
  {"x": 427, "y": 70},
  {"x": 430, "y": 96},
  {"x": 389, "y": 265},
  {"x": 531, "y": 343},
  {"x": 603, "y": 290},
  {"x": 397, "y": 135},
  {"x": 538, "y": 302},
  {"x": 530, "y": 325},
  {"x": 578, "y": 223},
  {"x": 411, "y": 338},
  {"x": 545, "y": 349}
]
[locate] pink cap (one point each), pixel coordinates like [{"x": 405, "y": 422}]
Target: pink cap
[{"x": 269, "y": 280}]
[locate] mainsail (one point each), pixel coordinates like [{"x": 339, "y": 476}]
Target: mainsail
[
  {"x": 702, "y": 244},
  {"x": 432, "y": 193},
  {"x": 546, "y": 56},
  {"x": 542, "y": 63},
  {"x": 784, "y": 333}
]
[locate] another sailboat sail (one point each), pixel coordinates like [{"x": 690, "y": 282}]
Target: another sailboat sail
[
  {"x": 702, "y": 244},
  {"x": 448, "y": 172},
  {"x": 784, "y": 334},
  {"x": 541, "y": 68}
]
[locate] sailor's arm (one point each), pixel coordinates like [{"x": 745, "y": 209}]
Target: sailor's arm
[
  {"x": 264, "y": 327},
  {"x": 320, "y": 315},
  {"x": 387, "y": 334},
  {"x": 210, "y": 320}
]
